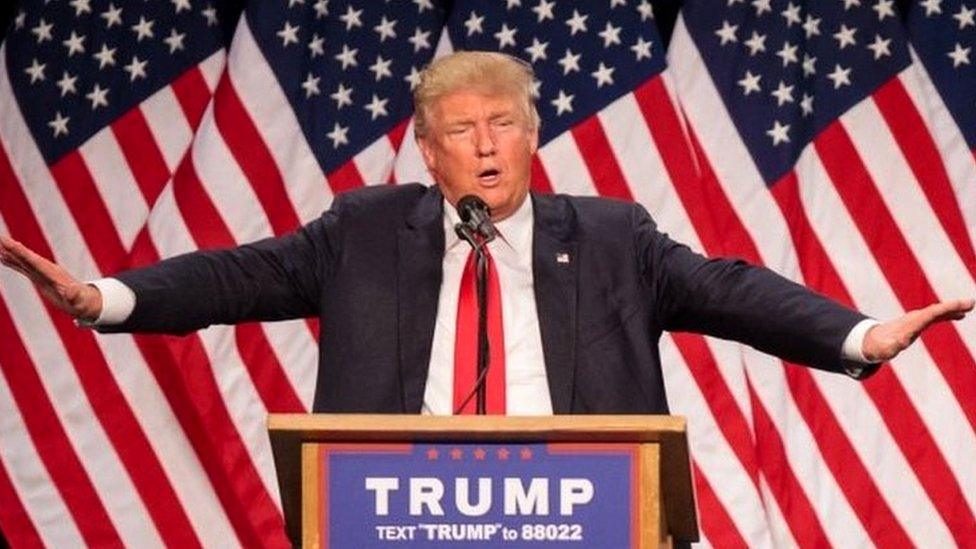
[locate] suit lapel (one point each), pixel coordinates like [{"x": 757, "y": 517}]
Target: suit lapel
[
  {"x": 554, "y": 266},
  {"x": 419, "y": 271}
]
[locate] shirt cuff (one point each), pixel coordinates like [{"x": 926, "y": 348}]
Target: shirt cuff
[
  {"x": 852, "y": 351},
  {"x": 118, "y": 301}
]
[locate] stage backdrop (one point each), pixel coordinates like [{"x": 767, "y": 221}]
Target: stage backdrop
[{"x": 830, "y": 140}]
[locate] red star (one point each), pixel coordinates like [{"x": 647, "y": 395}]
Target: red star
[
  {"x": 456, "y": 453},
  {"x": 432, "y": 453},
  {"x": 525, "y": 453},
  {"x": 503, "y": 454},
  {"x": 479, "y": 454}
]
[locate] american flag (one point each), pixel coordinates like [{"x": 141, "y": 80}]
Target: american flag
[{"x": 797, "y": 135}]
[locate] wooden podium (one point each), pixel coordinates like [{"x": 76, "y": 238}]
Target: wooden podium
[{"x": 662, "y": 507}]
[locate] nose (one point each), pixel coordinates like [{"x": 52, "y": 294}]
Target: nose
[{"x": 484, "y": 140}]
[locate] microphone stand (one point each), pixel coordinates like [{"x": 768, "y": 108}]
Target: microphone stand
[{"x": 478, "y": 243}]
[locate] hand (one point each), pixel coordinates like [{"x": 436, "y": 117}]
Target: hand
[
  {"x": 79, "y": 300},
  {"x": 884, "y": 341}
]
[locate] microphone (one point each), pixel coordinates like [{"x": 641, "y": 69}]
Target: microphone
[{"x": 475, "y": 226}]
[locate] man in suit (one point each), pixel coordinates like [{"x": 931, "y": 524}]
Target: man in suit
[{"x": 583, "y": 287}]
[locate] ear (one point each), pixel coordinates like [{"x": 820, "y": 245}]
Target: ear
[
  {"x": 534, "y": 141},
  {"x": 430, "y": 158}
]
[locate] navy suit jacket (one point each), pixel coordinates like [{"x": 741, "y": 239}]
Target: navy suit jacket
[{"x": 370, "y": 269}]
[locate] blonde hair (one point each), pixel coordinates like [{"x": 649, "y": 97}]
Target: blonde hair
[{"x": 493, "y": 72}]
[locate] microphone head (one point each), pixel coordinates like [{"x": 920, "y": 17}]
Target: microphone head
[{"x": 472, "y": 205}]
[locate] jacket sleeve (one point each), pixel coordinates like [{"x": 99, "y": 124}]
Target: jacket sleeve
[
  {"x": 272, "y": 279},
  {"x": 731, "y": 299}
]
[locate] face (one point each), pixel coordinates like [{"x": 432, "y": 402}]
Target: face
[{"x": 480, "y": 143}]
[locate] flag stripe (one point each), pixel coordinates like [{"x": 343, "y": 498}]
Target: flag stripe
[
  {"x": 15, "y": 524},
  {"x": 345, "y": 178},
  {"x": 142, "y": 153},
  {"x": 540, "y": 181},
  {"x": 716, "y": 524},
  {"x": 600, "y": 159},
  {"x": 193, "y": 94}
]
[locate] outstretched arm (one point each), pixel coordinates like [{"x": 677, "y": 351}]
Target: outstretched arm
[{"x": 884, "y": 341}]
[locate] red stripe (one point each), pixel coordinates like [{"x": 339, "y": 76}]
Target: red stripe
[
  {"x": 209, "y": 231},
  {"x": 89, "y": 211},
  {"x": 923, "y": 157},
  {"x": 716, "y": 523},
  {"x": 106, "y": 398},
  {"x": 141, "y": 153},
  {"x": 345, "y": 178},
  {"x": 15, "y": 524},
  {"x": 670, "y": 139},
  {"x": 396, "y": 134},
  {"x": 898, "y": 264},
  {"x": 782, "y": 480},
  {"x": 600, "y": 159},
  {"x": 540, "y": 180},
  {"x": 193, "y": 95},
  {"x": 253, "y": 157},
  {"x": 54, "y": 448}
]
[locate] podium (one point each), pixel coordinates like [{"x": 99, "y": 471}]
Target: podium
[{"x": 385, "y": 480}]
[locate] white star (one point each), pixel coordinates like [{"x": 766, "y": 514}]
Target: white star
[
  {"x": 543, "y": 10},
  {"x": 321, "y": 8},
  {"x": 792, "y": 15},
  {"x": 563, "y": 103},
  {"x": 806, "y": 104},
  {"x": 423, "y": 5},
  {"x": 338, "y": 135},
  {"x": 750, "y": 83},
  {"x": 210, "y": 14},
  {"x": 81, "y": 6},
  {"x": 783, "y": 94},
  {"x": 727, "y": 33},
  {"x": 75, "y": 44},
  {"x": 509, "y": 4},
  {"x": 175, "y": 41},
  {"x": 848, "y": 4},
  {"x": 347, "y": 57},
  {"x": 787, "y": 53},
  {"x": 351, "y": 18},
  {"x": 811, "y": 26},
  {"x": 966, "y": 17},
  {"x": 67, "y": 84},
  {"x": 932, "y": 6},
  {"x": 616, "y": 3},
  {"x": 59, "y": 124},
  {"x": 473, "y": 23},
  {"x": 505, "y": 37},
  {"x": 841, "y": 77},
  {"x": 959, "y": 56},
  {"x": 610, "y": 35},
  {"x": 291, "y": 3},
  {"x": 381, "y": 68},
  {"x": 761, "y": 6},
  {"x": 288, "y": 34},
  {"x": 756, "y": 44},
  {"x": 641, "y": 48},
  {"x": 42, "y": 31},
  {"x": 603, "y": 75},
  {"x": 342, "y": 96},
  {"x": 180, "y": 5},
  {"x": 570, "y": 61},
  {"x": 778, "y": 133},
  {"x": 385, "y": 29},
  {"x": 316, "y": 46},
  {"x": 880, "y": 47},
  {"x": 884, "y": 8},
  {"x": 311, "y": 85},
  {"x": 537, "y": 50},
  {"x": 731, "y": 3},
  {"x": 136, "y": 69},
  {"x": 808, "y": 65},
  {"x": 36, "y": 71},
  {"x": 413, "y": 78},
  {"x": 376, "y": 107},
  {"x": 20, "y": 20},
  {"x": 97, "y": 97},
  {"x": 845, "y": 37},
  {"x": 646, "y": 10},
  {"x": 106, "y": 56},
  {"x": 577, "y": 23},
  {"x": 112, "y": 16},
  {"x": 420, "y": 40},
  {"x": 143, "y": 29},
  {"x": 534, "y": 92}
]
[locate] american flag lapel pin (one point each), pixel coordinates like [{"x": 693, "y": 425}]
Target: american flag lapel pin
[{"x": 562, "y": 257}]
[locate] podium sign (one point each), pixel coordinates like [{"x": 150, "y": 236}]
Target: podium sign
[{"x": 443, "y": 495}]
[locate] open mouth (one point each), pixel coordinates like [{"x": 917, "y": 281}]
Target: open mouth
[{"x": 489, "y": 176}]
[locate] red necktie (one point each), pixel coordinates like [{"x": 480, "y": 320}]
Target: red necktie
[{"x": 466, "y": 342}]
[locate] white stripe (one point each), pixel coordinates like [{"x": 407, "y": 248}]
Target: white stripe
[
  {"x": 116, "y": 184},
  {"x": 375, "y": 162},
  {"x": 298, "y": 353},
  {"x": 168, "y": 125},
  {"x": 409, "y": 166},
  {"x": 959, "y": 161},
  {"x": 563, "y": 163},
  {"x": 30, "y": 480},
  {"x": 862, "y": 277},
  {"x": 258, "y": 89},
  {"x": 779, "y": 530},
  {"x": 212, "y": 68}
]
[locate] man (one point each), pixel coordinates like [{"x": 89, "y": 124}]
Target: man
[{"x": 585, "y": 286}]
